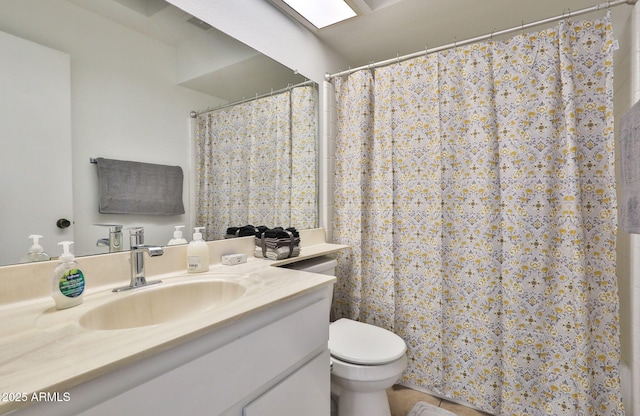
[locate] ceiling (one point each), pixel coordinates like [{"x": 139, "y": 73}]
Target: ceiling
[
  {"x": 209, "y": 61},
  {"x": 384, "y": 29},
  {"x": 389, "y": 28}
]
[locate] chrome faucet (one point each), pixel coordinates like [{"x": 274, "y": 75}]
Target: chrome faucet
[
  {"x": 114, "y": 242},
  {"x": 138, "y": 248}
]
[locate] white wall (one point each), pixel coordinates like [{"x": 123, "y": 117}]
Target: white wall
[
  {"x": 627, "y": 93},
  {"x": 200, "y": 56},
  {"x": 125, "y": 104}
]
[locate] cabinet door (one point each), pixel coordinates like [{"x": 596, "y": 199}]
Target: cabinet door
[{"x": 304, "y": 393}]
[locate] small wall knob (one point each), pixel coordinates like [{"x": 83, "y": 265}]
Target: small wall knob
[{"x": 63, "y": 223}]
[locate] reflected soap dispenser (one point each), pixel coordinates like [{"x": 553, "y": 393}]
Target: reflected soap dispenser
[
  {"x": 67, "y": 282},
  {"x": 177, "y": 236},
  {"x": 197, "y": 253},
  {"x": 36, "y": 252}
]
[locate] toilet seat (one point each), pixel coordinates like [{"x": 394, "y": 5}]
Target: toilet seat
[{"x": 359, "y": 343}]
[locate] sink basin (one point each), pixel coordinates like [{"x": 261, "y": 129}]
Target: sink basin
[{"x": 159, "y": 304}]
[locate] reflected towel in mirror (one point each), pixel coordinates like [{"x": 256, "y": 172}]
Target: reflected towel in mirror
[{"x": 139, "y": 188}]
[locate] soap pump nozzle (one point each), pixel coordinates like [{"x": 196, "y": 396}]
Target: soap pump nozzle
[
  {"x": 197, "y": 235},
  {"x": 35, "y": 247},
  {"x": 36, "y": 252},
  {"x": 177, "y": 234},
  {"x": 66, "y": 255}
]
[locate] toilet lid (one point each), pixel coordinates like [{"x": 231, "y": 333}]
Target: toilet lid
[{"x": 360, "y": 343}]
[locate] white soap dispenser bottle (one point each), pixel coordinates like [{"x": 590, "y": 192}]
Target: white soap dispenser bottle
[
  {"x": 177, "y": 236},
  {"x": 197, "y": 253},
  {"x": 36, "y": 252},
  {"x": 67, "y": 282}
]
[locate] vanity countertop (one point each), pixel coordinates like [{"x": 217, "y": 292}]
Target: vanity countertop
[{"x": 44, "y": 350}]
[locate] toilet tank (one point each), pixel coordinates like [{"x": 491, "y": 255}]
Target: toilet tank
[{"x": 321, "y": 265}]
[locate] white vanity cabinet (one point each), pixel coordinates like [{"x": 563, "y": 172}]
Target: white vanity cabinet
[
  {"x": 296, "y": 394},
  {"x": 272, "y": 362}
]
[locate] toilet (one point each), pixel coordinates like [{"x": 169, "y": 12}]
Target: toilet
[{"x": 365, "y": 359}]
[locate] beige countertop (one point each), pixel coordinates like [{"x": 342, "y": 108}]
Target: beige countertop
[{"x": 44, "y": 350}]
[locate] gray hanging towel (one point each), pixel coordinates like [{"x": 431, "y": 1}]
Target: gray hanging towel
[
  {"x": 139, "y": 188},
  {"x": 629, "y": 145}
]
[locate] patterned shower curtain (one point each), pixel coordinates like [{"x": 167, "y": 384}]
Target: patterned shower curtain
[
  {"x": 476, "y": 188},
  {"x": 256, "y": 164}
]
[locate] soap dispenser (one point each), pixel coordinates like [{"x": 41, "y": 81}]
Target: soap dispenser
[
  {"x": 197, "y": 253},
  {"x": 36, "y": 252},
  {"x": 67, "y": 283},
  {"x": 177, "y": 236}
]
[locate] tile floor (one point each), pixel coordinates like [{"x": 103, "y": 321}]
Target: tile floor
[{"x": 402, "y": 399}]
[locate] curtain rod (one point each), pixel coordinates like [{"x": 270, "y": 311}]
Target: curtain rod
[
  {"x": 195, "y": 114},
  {"x": 607, "y": 5}
]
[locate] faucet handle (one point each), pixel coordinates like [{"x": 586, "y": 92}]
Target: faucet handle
[
  {"x": 114, "y": 228},
  {"x": 136, "y": 236},
  {"x": 114, "y": 242}
]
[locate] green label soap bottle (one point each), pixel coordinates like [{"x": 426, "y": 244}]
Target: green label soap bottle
[{"x": 67, "y": 283}]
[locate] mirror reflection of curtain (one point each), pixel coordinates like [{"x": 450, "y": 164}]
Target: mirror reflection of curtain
[{"x": 256, "y": 163}]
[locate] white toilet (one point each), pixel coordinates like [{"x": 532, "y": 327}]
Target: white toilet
[{"x": 366, "y": 360}]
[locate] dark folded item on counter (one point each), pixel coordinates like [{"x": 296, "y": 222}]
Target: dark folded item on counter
[
  {"x": 261, "y": 229},
  {"x": 279, "y": 232},
  {"x": 231, "y": 232},
  {"x": 245, "y": 231},
  {"x": 278, "y": 243}
]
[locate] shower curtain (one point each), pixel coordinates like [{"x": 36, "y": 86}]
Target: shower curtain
[
  {"x": 476, "y": 189},
  {"x": 256, "y": 164}
]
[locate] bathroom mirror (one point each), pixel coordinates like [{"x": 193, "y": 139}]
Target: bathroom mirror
[{"x": 135, "y": 71}]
